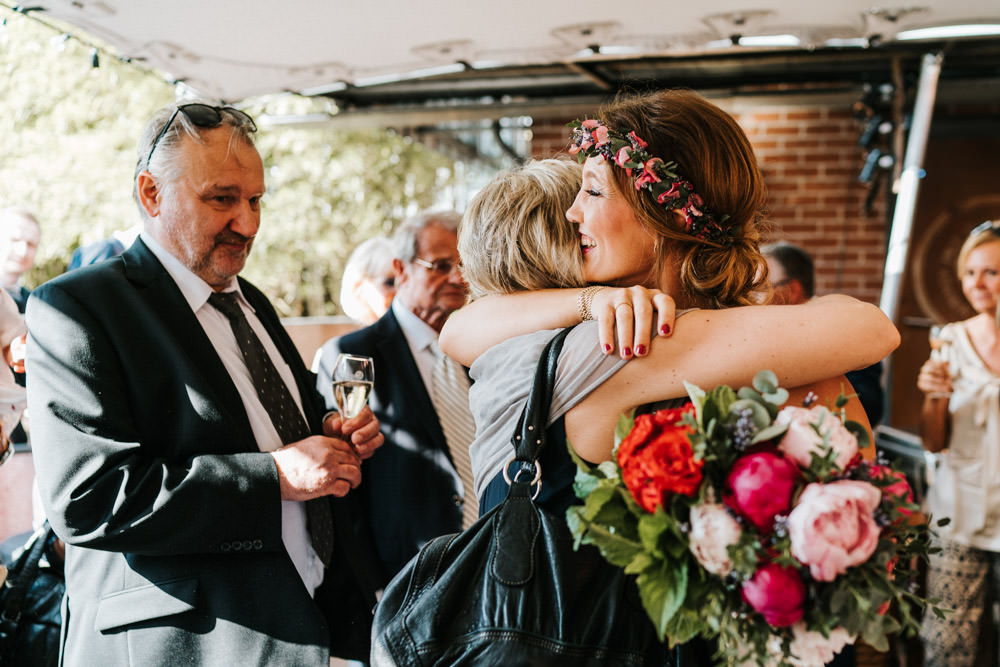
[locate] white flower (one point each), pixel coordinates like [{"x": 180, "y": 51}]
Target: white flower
[
  {"x": 713, "y": 529},
  {"x": 801, "y": 439}
]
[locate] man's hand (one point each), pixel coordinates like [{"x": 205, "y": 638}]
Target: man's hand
[
  {"x": 317, "y": 466},
  {"x": 361, "y": 431}
]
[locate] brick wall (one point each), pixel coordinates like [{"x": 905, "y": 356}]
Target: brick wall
[{"x": 811, "y": 160}]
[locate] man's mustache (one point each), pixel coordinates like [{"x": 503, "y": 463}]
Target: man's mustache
[{"x": 233, "y": 238}]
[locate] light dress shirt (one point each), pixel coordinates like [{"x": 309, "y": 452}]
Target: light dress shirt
[
  {"x": 419, "y": 337},
  {"x": 196, "y": 291}
]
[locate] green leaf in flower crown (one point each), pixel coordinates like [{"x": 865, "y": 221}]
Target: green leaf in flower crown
[
  {"x": 778, "y": 397},
  {"x": 663, "y": 591}
]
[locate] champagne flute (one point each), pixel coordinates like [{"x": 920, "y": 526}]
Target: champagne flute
[
  {"x": 353, "y": 378},
  {"x": 938, "y": 353}
]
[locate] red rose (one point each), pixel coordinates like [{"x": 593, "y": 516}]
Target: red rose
[
  {"x": 776, "y": 593},
  {"x": 759, "y": 487},
  {"x": 656, "y": 458},
  {"x": 898, "y": 492}
]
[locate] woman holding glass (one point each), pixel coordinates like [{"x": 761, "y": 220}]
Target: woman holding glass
[{"x": 961, "y": 419}]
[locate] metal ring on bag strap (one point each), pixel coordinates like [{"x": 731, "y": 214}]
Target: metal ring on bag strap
[{"x": 536, "y": 481}]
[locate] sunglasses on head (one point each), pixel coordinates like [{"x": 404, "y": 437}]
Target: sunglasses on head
[
  {"x": 201, "y": 115},
  {"x": 983, "y": 226}
]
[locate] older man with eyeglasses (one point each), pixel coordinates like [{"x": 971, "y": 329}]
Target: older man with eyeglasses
[
  {"x": 182, "y": 451},
  {"x": 420, "y": 484}
]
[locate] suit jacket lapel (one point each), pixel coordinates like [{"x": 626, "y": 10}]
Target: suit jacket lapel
[
  {"x": 159, "y": 289},
  {"x": 417, "y": 399}
]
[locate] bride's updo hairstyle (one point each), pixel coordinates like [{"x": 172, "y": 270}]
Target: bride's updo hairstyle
[
  {"x": 514, "y": 235},
  {"x": 714, "y": 154}
]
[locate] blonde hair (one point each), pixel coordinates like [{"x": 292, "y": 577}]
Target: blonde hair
[
  {"x": 715, "y": 155},
  {"x": 985, "y": 234},
  {"x": 515, "y": 236}
]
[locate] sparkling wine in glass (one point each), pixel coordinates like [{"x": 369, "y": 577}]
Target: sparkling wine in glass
[
  {"x": 938, "y": 346},
  {"x": 353, "y": 377}
]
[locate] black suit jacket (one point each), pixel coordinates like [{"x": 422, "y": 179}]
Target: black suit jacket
[
  {"x": 411, "y": 491},
  {"x": 149, "y": 470}
]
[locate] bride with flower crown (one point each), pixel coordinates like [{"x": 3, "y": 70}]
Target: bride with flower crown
[{"x": 670, "y": 203}]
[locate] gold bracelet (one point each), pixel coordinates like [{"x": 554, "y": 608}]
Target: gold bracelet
[{"x": 584, "y": 301}]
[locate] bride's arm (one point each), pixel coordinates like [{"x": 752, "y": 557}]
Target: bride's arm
[
  {"x": 489, "y": 320},
  {"x": 823, "y": 338}
]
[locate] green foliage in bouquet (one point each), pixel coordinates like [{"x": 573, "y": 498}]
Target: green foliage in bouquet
[{"x": 758, "y": 525}]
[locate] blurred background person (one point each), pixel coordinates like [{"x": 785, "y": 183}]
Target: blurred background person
[
  {"x": 19, "y": 237},
  {"x": 419, "y": 486},
  {"x": 369, "y": 283},
  {"x": 961, "y": 419},
  {"x": 106, "y": 248},
  {"x": 792, "y": 275}
]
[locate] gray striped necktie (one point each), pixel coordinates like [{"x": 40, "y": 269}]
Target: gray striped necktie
[{"x": 451, "y": 401}]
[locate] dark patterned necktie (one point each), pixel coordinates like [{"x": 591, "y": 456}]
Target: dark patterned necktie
[{"x": 281, "y": 408}]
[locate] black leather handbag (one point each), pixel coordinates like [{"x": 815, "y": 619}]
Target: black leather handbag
[
  {"x": 30, "y": 605},
  {"x": 511, "y": 590}
]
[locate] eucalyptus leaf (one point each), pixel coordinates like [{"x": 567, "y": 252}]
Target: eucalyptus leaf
[{"x": 765, "y": 381}]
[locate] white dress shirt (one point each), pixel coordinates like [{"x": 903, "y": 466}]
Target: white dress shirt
[{"x": 196, "y": 291}]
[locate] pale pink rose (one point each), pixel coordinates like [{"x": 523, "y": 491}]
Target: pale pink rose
[
  {"x": 833, "y": 527},
  {"x": 590, "y": 123},
  {"x": 623, "y": 156},
  {"x": 712, "y": 530},
  {"x": 811, "y": 649},
  {"x": 801, "y": 439},
  {"x": 601, "y": 135}
]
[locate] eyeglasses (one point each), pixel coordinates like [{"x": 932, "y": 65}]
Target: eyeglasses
[
  {"x": 440, "y": 266},
  {"x": 201, "y": 115},
  {"x": 983, "y": 226}
]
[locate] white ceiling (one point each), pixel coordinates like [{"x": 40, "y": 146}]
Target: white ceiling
[{"x": 232, "y": 50}]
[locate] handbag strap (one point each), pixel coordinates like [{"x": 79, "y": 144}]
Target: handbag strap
[
  {"x": 529, "y": 436},
  {"x": 22, "y": 575}
]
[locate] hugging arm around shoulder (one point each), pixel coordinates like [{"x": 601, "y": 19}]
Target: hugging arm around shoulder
[{"x": 134, "y": 450}]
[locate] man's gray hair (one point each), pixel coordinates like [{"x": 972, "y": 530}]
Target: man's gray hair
[
  {"x": 407, "y": 235},
  {"x": 165, "y": 161}
]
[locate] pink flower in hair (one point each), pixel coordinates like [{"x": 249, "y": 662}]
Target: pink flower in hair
[
  {"x": 623, "y": 157},
  {"x": 636, "y": 141},
  {"x": 574, "y": 149},
  {"x": 590, "y": 123},
  {"x": 601, "y": 135},
  {"x": 648, "y": 175}
]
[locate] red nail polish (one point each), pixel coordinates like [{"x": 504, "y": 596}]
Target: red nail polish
[
  {"x": 607, "y": 348},
  {"x": 640, "y": 350},
  {"x": 626, "y": 352},
  {"x": 665, "y": 330}
]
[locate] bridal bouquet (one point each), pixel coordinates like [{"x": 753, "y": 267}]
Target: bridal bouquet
[{"x": 757, "y": 525}]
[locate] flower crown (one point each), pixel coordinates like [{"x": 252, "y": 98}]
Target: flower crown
[{"x": 592, "y": 138}]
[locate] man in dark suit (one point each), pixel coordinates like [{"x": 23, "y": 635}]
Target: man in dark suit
[
  {"x": 197, "y": 529},
  {"x": 413, "y": 490}
]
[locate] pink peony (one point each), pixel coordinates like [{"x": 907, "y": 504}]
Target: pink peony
[
  {"x": 811, "y": 649},
  {"x": 636, "y": 141},
  {"x": 759, "y": 487},
  {"x": 590, "y": 123},
  {"x": 801, "y": 439},
  {"x": 833, "y": 528},
  {"x": 777, "y": 593},
  {"x": 713, "y": 529},
  {"x": 648, "y": 175}
]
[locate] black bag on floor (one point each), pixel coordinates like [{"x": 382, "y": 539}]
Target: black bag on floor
[
  {"x": 30, "y": 605},
  {"x": 511, "y": 590}
]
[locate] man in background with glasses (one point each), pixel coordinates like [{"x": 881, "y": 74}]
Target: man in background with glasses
[
  {"x": 181, "y": 448},
  {"x": 419, "y": 486}
]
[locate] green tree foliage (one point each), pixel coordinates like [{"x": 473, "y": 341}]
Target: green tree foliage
[{"x": 67, "y": 140}]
